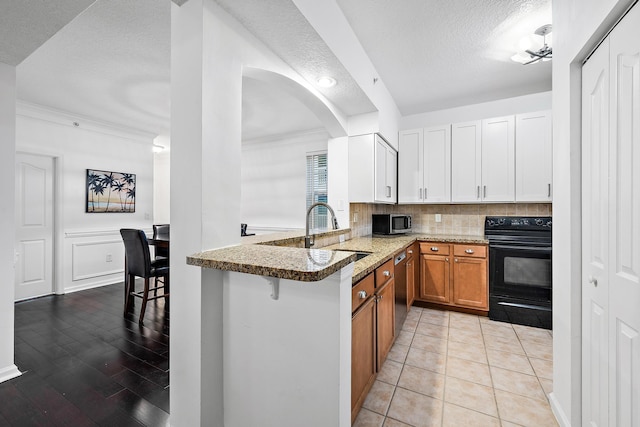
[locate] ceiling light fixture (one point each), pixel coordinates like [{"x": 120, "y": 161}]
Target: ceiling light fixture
[
  {"x": 326, "y": 81},
  {"x": 530, "y": 56}
]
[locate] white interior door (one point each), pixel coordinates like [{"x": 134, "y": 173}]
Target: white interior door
[
  {"x": 595, "y": 222},
  {"x": 34, "y": 226},
  {"x": 611, "y": 229},
  {"x": 624, "y": 220}
]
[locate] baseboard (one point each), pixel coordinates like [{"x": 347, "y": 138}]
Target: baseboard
[
  {"x": 561, "y": 417},
  {"x": 9, "y": 372},
  {"x": 85, "y": 287}
]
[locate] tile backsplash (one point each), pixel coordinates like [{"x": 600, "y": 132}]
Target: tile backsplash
[{"x": 456, "y": 219}]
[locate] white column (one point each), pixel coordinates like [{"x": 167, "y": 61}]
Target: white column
[
  {"x": 8, "y": 369},
  {"x": 206, "y": 83}
]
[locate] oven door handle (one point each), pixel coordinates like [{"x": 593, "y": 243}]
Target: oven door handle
[{"x": 546, "y": 249}]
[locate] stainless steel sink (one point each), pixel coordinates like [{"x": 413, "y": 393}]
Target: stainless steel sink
[{"x": 359, "y": 254}]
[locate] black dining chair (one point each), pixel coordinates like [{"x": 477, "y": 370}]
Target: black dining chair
[
  {"x": 161, "y": 230},
  {"x": 139, "y": 264}
]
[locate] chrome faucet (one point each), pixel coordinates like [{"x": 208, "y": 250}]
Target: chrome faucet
[{"x": 334, "y": 221}]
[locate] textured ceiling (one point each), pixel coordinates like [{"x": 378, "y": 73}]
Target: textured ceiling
[
  {"x": 26, "y": 24},
  {"x": 280, "y": 25},
  {"x": 434, "y": 54},
  {"x": 111, "y": 63}
]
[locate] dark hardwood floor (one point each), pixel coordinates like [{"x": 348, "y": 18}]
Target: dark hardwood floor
[{"x": 84, "y": 364}]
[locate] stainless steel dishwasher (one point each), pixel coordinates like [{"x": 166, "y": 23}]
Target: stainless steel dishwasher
[{"x": 401, "y": 290}]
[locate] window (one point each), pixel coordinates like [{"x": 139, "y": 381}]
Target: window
[{"x": 317, "y": 189}]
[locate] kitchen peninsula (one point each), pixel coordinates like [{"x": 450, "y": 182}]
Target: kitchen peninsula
[{"x": 287, "y": 324}]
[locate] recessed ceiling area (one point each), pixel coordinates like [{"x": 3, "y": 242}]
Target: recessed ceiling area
[{"x": 112, "y": 62}]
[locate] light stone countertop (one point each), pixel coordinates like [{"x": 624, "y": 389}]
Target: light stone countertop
[
  {"x": 264, "y": 255},
  {"x": 383, "y": 248}
]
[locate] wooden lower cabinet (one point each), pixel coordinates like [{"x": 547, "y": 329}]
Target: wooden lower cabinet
[
  {"x": 363, "y": 354},
  {"x": 454, "y": 275},
  {"x": 411, "y": 277},
  {"x": 435, "y": 280},
  {"x": 372, "y": 332},
  {"x": 469, "y": 283},
  {"x": 386, "y": 320}
]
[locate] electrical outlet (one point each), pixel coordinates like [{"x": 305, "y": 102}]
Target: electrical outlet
[
  {"x": 341, "y": 238},
  {"x": 109, "y": 258},
  {"x": 438, "y": 218}
]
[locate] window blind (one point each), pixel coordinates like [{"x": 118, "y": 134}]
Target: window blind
[{"x": 317, "y": 189}]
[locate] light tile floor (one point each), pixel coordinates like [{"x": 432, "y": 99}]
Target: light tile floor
[{"x": 454, "y": 369}]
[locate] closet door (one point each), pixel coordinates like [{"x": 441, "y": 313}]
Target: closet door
[
  {"x": 595, "y": 257},
  {"x": 611, "y": 229},
  {"x": 624, "y": 223}
]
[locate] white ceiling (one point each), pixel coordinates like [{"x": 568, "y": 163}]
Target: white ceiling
[{"x": 112, "y": 62}]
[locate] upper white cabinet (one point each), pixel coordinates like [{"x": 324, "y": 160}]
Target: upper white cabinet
[
  {"x": 498, "y": 160},
  {"x": 466, "y": 161},
  {"x": 534, "y": 157},
  {"x": 373, "y": 169},
  {"x": 424, "y": 165}
]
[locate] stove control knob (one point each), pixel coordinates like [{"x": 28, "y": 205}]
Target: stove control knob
[{"x": 539, "y": 221}]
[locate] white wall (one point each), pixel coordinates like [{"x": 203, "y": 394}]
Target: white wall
[
  {"x": 274, "y": 180},
  {"x": 84, "y": 240},
  {"x": 162, "y": 182},
  {"x": 520, "y": 104},
  {"x": 577, "y": 28},
  {"x": 338, "y": 158},
  {"x": 7, "y": 215}
]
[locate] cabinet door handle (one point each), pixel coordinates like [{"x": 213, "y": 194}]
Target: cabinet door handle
[
  {"x": 484, "y": 191},
  {"x": 478, "y": 192},
  {"x": 469, "y": 251},
  {"x": 548, "y": 190},
  {"x": 425, "y": 193},
  {"x": 388, "y": 191},
  {"x": 362, "y": 294},
  {"x": 435, "y": 248},
  {"x": 421, "y": 194},
  {"x": 386, "y": 273},
  {"x": 593, "y": 280}
]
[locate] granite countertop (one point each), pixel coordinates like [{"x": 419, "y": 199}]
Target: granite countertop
[
  {"x": 256, "y": 255},
  {"x": 305, "y": 265},
  {"x": 383, "y": 248}
]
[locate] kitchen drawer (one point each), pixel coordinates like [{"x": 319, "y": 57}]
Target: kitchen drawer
[
  {"x": 434, "y": 248},
  {"x": 384, "y": 273},
  {"x": 365, "y": 285},
  {"x": 473, "y": 251}
]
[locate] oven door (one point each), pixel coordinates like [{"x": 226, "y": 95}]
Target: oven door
[{"x": 521, "y": 272}]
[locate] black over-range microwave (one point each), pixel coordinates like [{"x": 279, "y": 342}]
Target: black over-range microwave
[{"x": 391, "y": 223}]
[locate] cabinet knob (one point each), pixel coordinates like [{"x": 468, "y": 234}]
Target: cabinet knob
[
  {"x": 435, "y": 248},
  {"x": 386, "y": 273},
  {"x": 409, "y": 252},
  {"x": 362, "y": 294},
  {"x": 455, "y": 259},
  {"x": 593, "y": 280},
  {"x": 468, "y": 251},
  {"x": 446, "y": 259}
]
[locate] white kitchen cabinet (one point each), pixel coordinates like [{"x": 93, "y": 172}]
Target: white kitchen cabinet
[
  {"x": 373, "y": 169},
  {"x": 498, "y": 160},
  {"x": 466, "y": 162},
  {"x": 534, "y": 157},
  {"x": 425, "y": 165}
]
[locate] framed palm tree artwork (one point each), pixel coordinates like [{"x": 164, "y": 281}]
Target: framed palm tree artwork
[{"x": 110, "y": 191}]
